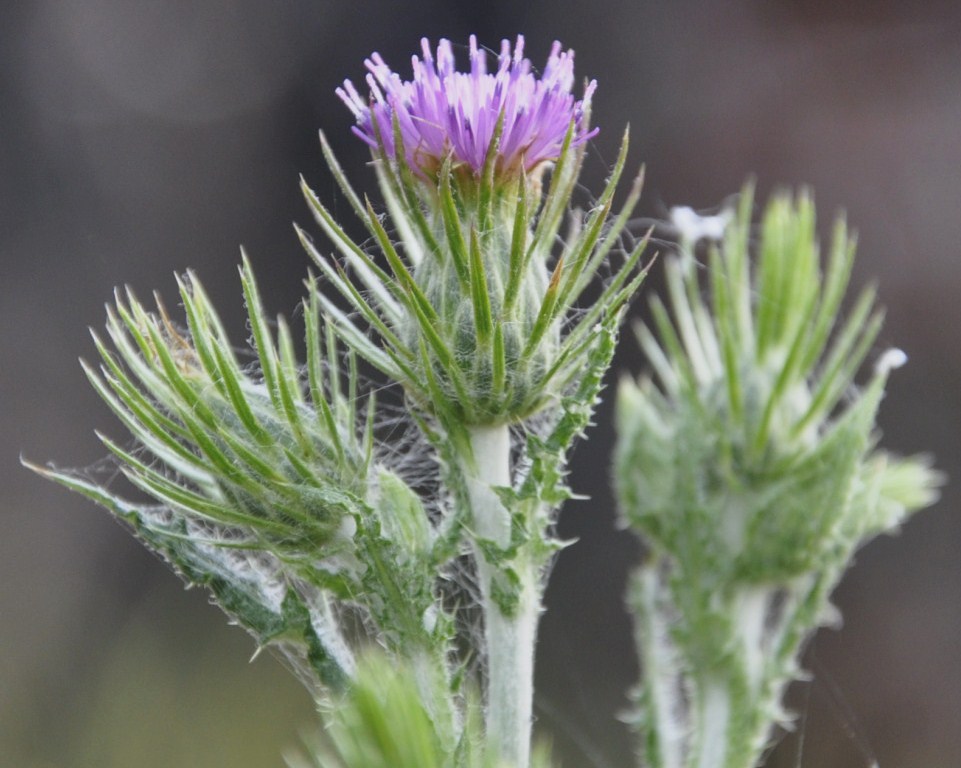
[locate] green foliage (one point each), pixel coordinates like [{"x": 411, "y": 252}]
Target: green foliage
[
  {"x": 748, "y": 463},
  {"x": 747, "y": 459},
  {"x": 738, "y": 448},
  {"x": 266, "y": 485},
  {"x": 268, "y": 482},
  {"x": 381, "y": 722}
]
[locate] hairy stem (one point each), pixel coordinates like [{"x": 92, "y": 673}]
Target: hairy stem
[
  {"x": 714, "y": 716},
  {"x": 510, "y": 626}
]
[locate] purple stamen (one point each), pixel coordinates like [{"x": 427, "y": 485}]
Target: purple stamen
[{"x": 443, "y": 111}]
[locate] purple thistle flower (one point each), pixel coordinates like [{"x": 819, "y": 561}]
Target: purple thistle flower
[{"x": 443, "y": 111}]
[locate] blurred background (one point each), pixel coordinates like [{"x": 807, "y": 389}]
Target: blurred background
[{"x": 141, "y": 138}]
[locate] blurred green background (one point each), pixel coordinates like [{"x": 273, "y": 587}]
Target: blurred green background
[{"x": 140, "y": 138}]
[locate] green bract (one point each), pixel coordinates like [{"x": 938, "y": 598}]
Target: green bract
[{"x": 475, "y": 311}]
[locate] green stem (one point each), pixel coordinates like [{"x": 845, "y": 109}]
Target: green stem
[
  {"x": 716, "y": 714},
  {"x": 509, "y": 634}
]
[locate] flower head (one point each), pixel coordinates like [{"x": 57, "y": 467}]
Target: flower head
[
  {"x": 444, "y": 112},
  {"x": 478, "y": 316}
]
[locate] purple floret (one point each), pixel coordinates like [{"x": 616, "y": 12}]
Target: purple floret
[{"x": 444, "y": 111}]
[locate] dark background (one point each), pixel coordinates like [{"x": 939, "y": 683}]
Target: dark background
[{"x": 140, "y": 138}]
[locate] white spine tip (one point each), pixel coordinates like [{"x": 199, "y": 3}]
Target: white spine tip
[
  {"x": 691, "y": 226},
  {"x": 891, "y": 360}
]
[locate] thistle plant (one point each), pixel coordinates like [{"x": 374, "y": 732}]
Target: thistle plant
[
  {"x": 747, "y": 461},
  {"x": 360, "y": 539}
]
